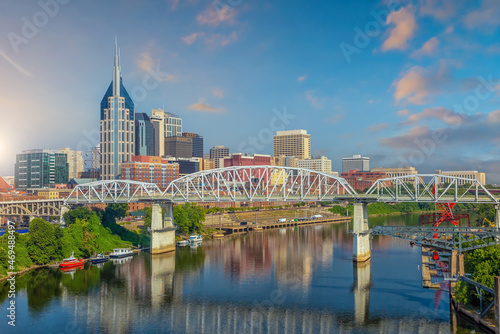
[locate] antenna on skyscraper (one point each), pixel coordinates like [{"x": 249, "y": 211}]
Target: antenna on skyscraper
[{"x": 163, "y": 102}]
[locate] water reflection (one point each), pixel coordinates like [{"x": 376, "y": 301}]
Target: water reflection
[{"x": 298, "y": 280}]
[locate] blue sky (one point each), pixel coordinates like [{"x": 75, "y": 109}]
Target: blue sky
[{"x": 404, "y": 82}]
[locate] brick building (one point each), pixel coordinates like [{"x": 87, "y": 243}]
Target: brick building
[{"x": 150, "y": 169}]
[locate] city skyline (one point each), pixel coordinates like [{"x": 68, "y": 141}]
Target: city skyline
[{"x": 193, "y": 59}]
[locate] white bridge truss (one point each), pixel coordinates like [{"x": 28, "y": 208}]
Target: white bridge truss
[
  {"x": 433, "y": 188},
  {"x": 258, "y": 183},
  {"x": 113, "y": 191},
  {"x": 231, "y": 184}
]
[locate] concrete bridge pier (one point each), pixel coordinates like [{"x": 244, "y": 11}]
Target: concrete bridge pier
[
  {"x": 64, "y": 209},
  {"x": 361, "y": 243},
  {"x": 497, "y": 216},
  {"x": 162, "y": 228}
]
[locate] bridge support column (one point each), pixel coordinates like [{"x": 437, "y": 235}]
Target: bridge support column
[
  {"x": 64, "y": 209},
  {"x": 361, "y": 245},
  {"x": 497, "y": 216},
  {"x": 362, "y": 282},
  {"x": 162, "y": 230}
]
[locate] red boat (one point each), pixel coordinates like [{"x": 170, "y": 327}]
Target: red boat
[{"x": 71, "y": 262}]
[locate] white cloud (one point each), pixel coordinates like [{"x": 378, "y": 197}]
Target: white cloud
[{"x": 404, "y": 28}]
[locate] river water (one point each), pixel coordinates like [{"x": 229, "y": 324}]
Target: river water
[{"x": 294, "y": 280}]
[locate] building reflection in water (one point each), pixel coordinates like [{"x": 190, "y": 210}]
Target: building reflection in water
[{"x": 148, "y": 293}]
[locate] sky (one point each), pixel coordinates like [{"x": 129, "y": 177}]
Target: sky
[{"x": 403, "y": 82}]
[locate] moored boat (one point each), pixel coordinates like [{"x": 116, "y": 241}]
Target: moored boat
[
  {"x": 182, "y": 242},
  {"x": 195, "y": 238},
  {"x": 99, "y": 258},
  {"x": 71, "y": 262},
  {"x": 121, "y": 252}
]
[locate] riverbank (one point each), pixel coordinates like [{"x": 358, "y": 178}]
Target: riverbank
[{"x": 472, "y": 315}]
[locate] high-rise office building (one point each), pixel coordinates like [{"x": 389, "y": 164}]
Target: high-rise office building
[
  {"x": 117, "y": 125},
  {"x": 292, "y": 143},
  {"x": 179, "y": 147},
  {"x": 197, "y": 143},
  {"x": 41, "y": 169},
  {"x": 165, "y": 125},
  {"x": 356, "y": 162},
  {"x": 217, "y": 153},
  {"x": 144, "y": 135},
  {"x": 76, "y": 163}
]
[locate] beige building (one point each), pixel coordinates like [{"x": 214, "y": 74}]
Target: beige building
[
  {"x": 295, "y": 143},
  {"x": 277, "y": 161},
  {"x": 165, "y": 125},
  {"x": 320, "y": 164},
  {"x": 468, "y": 174},
  {"x": 218, "y": 153},
  {"x": 396, "y": 171},
  {"x": 75, "y": 162},
  {"x": 208, "y": 163}
]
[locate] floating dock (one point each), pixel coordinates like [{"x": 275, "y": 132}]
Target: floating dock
[{"x": 267, "y": 226}]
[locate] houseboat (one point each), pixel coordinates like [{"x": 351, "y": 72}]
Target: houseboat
[{"x": 121, "y": 252}]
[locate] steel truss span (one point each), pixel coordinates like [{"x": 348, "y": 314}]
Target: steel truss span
[
  {"x": 231, "y": 184},
  {"x": 114, "y": 191},
  {"x": 461, "y": 239},
  {"x": 258, "y": 183},
  {"x": 433, "y": 188}
]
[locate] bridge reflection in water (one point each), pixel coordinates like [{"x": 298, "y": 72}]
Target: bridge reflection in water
[{"x": 285, "y": 281}]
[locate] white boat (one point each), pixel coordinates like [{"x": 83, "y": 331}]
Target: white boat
[
  {"x": 195, "y": 238},
  {"x": 121, "y": 252},
  {"x": 182, "y": 242}
]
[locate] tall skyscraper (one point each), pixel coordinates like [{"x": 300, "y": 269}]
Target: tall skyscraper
[
  {"x": 197, "y": 143},
  {"x": 217, "y": 153},
  {"x": 295, "y": 143},
  {"x": 166, "y": 125},
  {"x": 117, "y": 125},
  {"x": 144, "y": 135},
  {"x": 41, "y": 168},
  {"x": 356, "y": 162},
  {"x": 75, "y": 162}
]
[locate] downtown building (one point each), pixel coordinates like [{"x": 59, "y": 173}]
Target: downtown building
[
  {"x": 320, "y": 164},
  {"x": 41, "y": 169},
  {"x": 165, "y": 125},
  {"x": 296, "y": 143},
  {"x": 76, "y": 164},
  {"x": 117, "y": 125},
  {"x": 217, "y": 153},
  {"x": 197, "y": 142},
  {"x": 355, "y": 163},
  {"x": 144, "y": 135},
  {"x": 150, "y": 169}
]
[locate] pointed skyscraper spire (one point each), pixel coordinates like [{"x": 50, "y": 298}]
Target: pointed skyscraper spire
[{"x": 116, "y": 71}]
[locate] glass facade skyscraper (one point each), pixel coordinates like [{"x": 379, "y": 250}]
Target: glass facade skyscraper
[
  {"x": 144, "y": 135},
  {"x": 41, "y": 169},
  {"x": 117, "y": 125}
]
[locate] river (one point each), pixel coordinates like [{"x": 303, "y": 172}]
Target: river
[{"x": 294, "y": 280}]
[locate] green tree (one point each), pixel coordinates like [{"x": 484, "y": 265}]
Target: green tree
[
  {"x": 189, "y": 217},
  {"x": 118, "y": 210},
  {"x": 81, "y": 212},
  {"x": 41, "y": 241}
]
